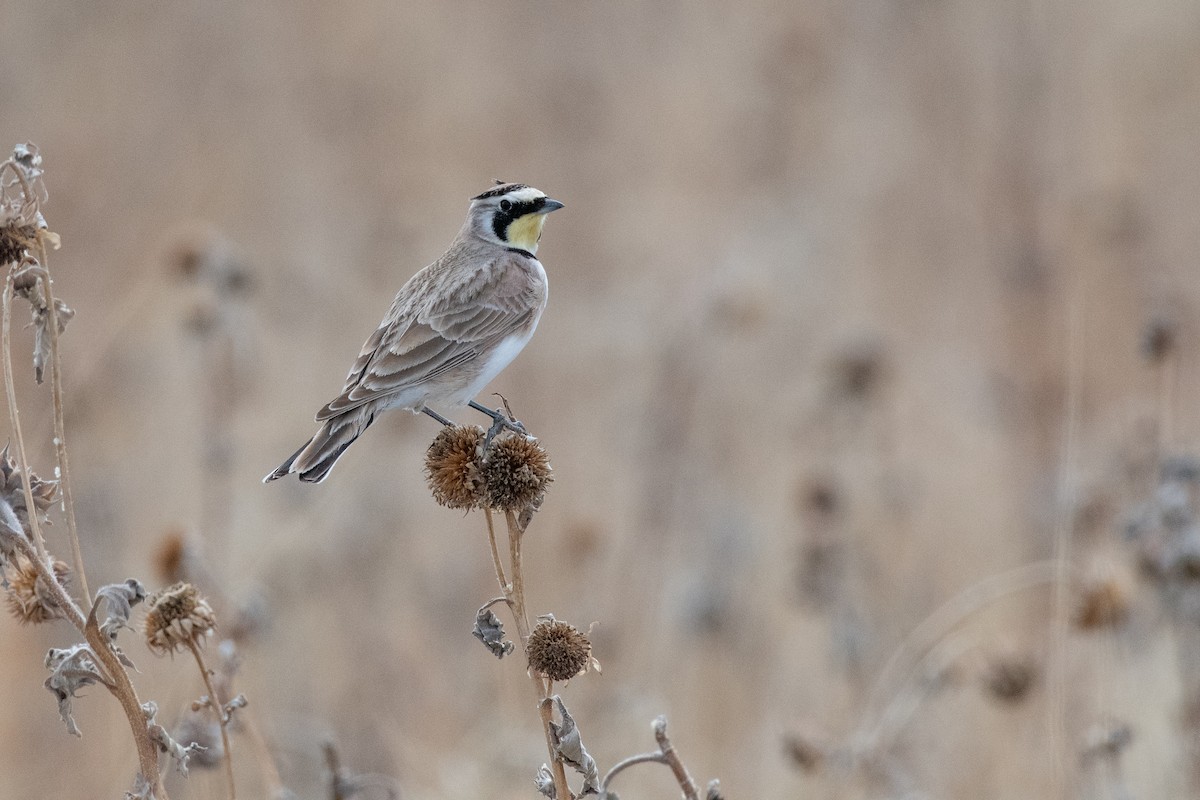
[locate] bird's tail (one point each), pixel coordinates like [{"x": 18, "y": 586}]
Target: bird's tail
[{"x": 312, "y": 462}]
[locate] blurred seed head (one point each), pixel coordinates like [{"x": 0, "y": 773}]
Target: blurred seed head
[
  {"x": 1159, "y": 339},
  {"x": 557, "y": 650},
  {"x": 453, "y": 467},
  {"x": 175, "y": 617},
  {"x": 516, "y": 472},
  {"x": 172, "y": 557},
  {"x": 29, "y": 598},
  {"x": 858, "y": 372},
  {"x": 1010, "y": 677},
  {"x": 1104, "y": 597},
  {"x": 808, "y": 748}
]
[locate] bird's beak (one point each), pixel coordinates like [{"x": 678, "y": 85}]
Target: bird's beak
[{"x": 549, "y": 205}]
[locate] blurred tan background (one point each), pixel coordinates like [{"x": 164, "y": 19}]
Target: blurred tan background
[{"x": 849, "y": 314}]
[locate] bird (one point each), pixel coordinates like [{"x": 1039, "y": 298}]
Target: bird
[{"x": 451, "y": 329}]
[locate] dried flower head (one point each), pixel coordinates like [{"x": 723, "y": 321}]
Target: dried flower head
[
  {"x": 452, "y": 467},
  {"x": 557, "y": 650},
  {"x": 44, "y": 492},
  {"x": 516, "y": 472},
  {"x": 15, "y": 241},
  {"x": 176, "y": 617},
  {"x": 29, "y": 598}
]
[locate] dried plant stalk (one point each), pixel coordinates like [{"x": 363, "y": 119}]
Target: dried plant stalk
[{"x": 218, "y": 708}]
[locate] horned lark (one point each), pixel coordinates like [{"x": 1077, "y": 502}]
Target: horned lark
[{"x": 451, "y": 329}]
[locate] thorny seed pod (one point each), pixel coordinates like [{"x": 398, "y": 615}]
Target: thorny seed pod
[
  {"x": 175, "y": 617},
  {"x": 452, "y": 467},
  {"x": 557, "y": 650},
  {"x": 29, "y": 598},
  {"x": 516, "y": 472}
]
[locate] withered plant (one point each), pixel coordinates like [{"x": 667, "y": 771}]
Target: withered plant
[
  {"x": 39, "y": 586},
  {"x": 506, "y": 472}
]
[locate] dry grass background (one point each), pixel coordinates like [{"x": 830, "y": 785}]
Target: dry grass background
[{"x": 804, "y": 374}]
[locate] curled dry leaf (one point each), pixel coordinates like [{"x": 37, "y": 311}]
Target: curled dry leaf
[
  {"x": 71, "y": 669},
  {"x": 569, "y": 746},
  {"x": 489, "y": 630}
]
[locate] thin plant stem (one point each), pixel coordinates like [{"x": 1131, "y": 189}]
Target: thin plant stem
[
  {"x": 907, "y": 655},
  {"x": 674, "y": 761},
  {"x": 14, "y": 416},
  {"x": 518, "y": 581},
  {"x": 60, "y": 428},
  {"x": 496, "y": 562},
  {"x": 126, "y": 695},
  {"x": 214, "y": 702},
  {"x": 624, "y": 764},
  {"x": 514, "y": 594},
  {"x": 265, "y": 759},
  {"x": 1056, "y": 709}
]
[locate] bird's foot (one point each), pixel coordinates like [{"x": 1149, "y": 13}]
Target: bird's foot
[{"x": 501, "y": 421}]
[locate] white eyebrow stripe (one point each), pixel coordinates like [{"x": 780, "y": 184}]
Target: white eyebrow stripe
[{"x": 525, "y": 195}]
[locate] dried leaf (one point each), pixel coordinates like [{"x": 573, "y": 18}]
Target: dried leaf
[
  {"x": 490, "y": 631},
  {"x": 119, "y": 600},
  {"x": 41, "y": 335},
  {"x": 159, "y": 735},
  {"x": 71, "y": 669},
  {"x": 569, "y": 746},
  {"x": 142, "y": 790},
  {"x": 544, "y": 781}
]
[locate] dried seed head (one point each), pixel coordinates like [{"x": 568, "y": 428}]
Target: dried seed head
[
  {"x": 44, "y": 492},
  {"x": 29, "y": 598},
  {"x": 516, "y": 472},
  {"x": 1009, "y": 678},
  {"x": 452, "y": 467},
  {"x": 557, "y": 650},
  {"x": 172, "y": 556},
  {"x": 1104, "y": 600},
  {"x": 15, "y": 240},
  {"x": 175, "y": 617}
]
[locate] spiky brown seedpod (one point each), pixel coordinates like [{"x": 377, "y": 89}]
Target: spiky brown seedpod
[
  {"x": 557, "y": 650},
  {"x": 453, "y": 469},
  {"x": 175, "y": 617},
  {"x": 15, "y": 240},
  {"x": 29, "y": 598},
  {"x": 516, "y": 472}
]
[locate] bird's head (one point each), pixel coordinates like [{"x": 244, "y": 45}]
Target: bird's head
[{"x": 510, "y": 214}]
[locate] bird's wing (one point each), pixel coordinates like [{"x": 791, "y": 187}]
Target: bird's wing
[{"x": 410, "y": 349}]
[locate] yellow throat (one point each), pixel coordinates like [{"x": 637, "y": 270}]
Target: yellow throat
[{"x": 525, "y": 231}]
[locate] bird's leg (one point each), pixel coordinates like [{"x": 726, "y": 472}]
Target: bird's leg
[
  {"x": 437, "y": 416},
  {"x": 500, "y": 422}
]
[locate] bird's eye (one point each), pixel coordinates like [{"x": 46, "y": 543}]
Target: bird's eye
[{"x": 505, "y": 205}]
